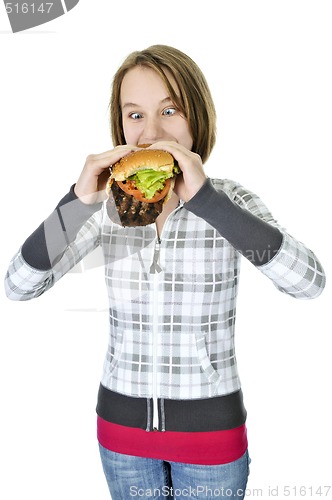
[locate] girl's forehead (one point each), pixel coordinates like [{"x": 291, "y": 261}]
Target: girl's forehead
[{"x": 142, "y": 81}]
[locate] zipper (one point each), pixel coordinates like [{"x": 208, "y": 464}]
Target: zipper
[
  {"x": 155, "y": 269},
  {"x": 155, "y": 413},
  {"x": 155, "y": 266}
]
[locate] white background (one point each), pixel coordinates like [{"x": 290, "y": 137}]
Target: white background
[{"x": 269, "y": 68}]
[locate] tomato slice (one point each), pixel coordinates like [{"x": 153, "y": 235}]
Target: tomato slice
[{"x": 130, "y": 187}]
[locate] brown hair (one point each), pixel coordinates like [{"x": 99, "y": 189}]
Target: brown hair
[{"x": 195, "y": 100}]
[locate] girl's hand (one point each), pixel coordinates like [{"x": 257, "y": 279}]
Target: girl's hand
[
  {"x": 193, "y": 175},
  {"x": 91, "y": 184}
]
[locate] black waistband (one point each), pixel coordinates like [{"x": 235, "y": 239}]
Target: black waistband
[{"x": 192, "y": 415}]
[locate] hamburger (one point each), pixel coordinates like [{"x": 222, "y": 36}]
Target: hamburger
[{"x": 139, "y": 186}]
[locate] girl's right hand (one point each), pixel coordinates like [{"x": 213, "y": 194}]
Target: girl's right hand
[{"x": 91, "y": 184}]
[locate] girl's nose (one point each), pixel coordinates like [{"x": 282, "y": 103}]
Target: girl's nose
[{"x": 152, "y": 130}]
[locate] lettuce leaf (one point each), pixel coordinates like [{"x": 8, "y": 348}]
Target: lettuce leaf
[{"x": 149, "y": 181}]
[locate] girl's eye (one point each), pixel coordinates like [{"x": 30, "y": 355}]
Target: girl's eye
[
  {"x": 135, "y": 116},
  {"x": 169, "y": 111}
]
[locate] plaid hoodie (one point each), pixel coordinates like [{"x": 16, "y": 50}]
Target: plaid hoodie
[{"x": 171, "y": 362}]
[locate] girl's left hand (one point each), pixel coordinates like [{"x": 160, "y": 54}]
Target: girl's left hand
[{"x": 193, "y": 175}]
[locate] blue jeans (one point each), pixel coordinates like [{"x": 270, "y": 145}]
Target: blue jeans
[{"x": 130, "y": 477}]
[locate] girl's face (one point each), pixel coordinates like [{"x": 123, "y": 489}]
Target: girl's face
[{"x": 148, "y": 113}]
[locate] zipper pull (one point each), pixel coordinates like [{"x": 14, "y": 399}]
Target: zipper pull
[{"x": 155, "y": 266}]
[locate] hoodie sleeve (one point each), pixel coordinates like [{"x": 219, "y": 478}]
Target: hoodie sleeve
[
  {"x": 242, "y": 218},
  {"x": 69, "y": 233}
]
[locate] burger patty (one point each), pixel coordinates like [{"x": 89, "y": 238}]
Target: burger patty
[{"x": 128, "y": 211}]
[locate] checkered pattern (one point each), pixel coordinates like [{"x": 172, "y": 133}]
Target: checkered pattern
[{"x": 173, "y": 329}]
